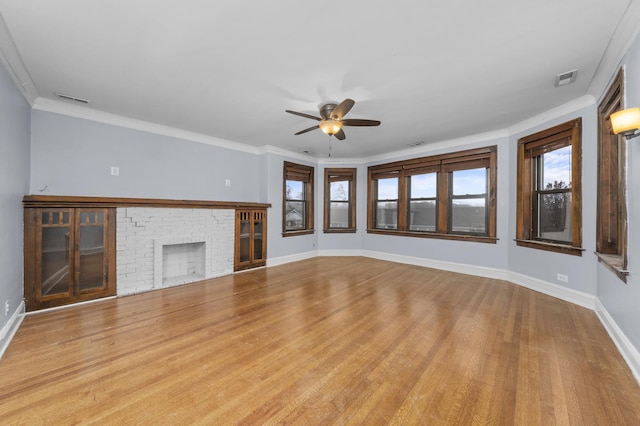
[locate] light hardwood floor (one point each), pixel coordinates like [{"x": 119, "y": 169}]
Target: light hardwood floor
[{"x": 322, "y": 341}]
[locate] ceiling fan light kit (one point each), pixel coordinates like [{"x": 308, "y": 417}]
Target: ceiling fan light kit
[
  {"x": 330, "y": 127},
  {"x": 332, "y": 119}
]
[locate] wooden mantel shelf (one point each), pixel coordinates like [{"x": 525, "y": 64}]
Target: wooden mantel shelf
[{"x": 73, "y": 201}]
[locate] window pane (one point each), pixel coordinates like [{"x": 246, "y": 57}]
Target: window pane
[
  {"x": 338, "y": 215},
  {"x": 472, "y": 181},
  {"x": 422, "y": 216},
  {"x": 91, "y": 257},
  {"x": 424, "y": 186},
  {"x": 257, "y": 240},
  {"x": 55, "y": 260},
  {"x": 387, "y": 215},
  {"x": 555, "y": 217},
  {"x": 388, "y": 189},
  {"x": 339, "y": 191},
  {"x": 556, "y": 168},
  {"x": 469, "y": 215},
  {"x": 295, "y": 215},
  {"x": 295, "y": 190},
  {"x": 245, "y": 243}
]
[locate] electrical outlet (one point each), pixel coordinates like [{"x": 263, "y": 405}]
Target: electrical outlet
[
  {"x": 563, "y": 278},
  {"x": 6, "y": 308},
  {"x": 115, "y": 171},
  {"x": 227, "y": 182}
]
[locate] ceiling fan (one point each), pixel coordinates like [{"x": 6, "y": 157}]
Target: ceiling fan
[{"x": 332, "y": 119}]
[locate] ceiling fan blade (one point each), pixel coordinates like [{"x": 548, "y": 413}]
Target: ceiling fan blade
[
  {"x": 342, "y": 109},
  {"x": 302, "y": 114},
  {"x": 307, "y": 130},
  {"x": 340, "y": 135},
  {"x": 359, "y": 122}
]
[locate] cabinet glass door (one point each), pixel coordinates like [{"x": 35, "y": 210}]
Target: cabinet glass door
[
  {"x": 245, "y": 234},
  {"x": 91, "y": 237},
  {"x": 258, "y": 220},
  {"x": 56, "y": 252}
]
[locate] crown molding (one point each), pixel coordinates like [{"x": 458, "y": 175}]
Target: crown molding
[
  {"x": 270, "y": 149},
  {"x": 544, "y": 118},
  {"x": 13, "y": 63},
  {"x": 341, "y": 161},
  {"x": 78, "y": 111},
  {"x": 441, "y": 145},
  {"x": 619, "y": 44}
]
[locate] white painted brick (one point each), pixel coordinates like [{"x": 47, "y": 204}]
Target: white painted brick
[{"x": 141, "y": 230}]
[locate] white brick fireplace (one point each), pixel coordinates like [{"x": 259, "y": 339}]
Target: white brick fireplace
[{"x": 163, "y": 247}]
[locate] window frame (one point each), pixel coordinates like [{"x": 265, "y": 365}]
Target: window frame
[
  {"x": 304, "y": 174},
  {"x": 378, "y": 200},
  {"x": 531, "y": 147},
  {"x": 410, "y": 199},
  {"x": 443, "y": 165},
  {"x": 611, "y": 211},
  {"x": 339, "y": 175},
  {"x": 453, "y": 197}
]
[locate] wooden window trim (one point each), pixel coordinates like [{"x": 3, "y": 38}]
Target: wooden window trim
[
  {"x": 302, "y": 173},
  {"x": 451, "y": 196},
  {"x": 443, "y": 165},
  {"x": 336, "y": 175},
  {"x": 534, "y": 145},
  {"x": 611, "y": 216}
]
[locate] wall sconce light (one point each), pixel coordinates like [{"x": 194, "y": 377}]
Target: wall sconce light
[{"x": 626, "y": 122}]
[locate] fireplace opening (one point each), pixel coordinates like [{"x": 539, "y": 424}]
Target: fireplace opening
[{"x": 183, "y": 263}]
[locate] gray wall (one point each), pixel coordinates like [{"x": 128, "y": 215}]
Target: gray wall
[
  {"x": 14, "y": 183},
  {"x": 462, "y": 252},
  {"x": 545, "y": 265},
  {"x": 337, "y": 242},
  {"x": 73, "y": 156},
  {"x": 621, "y": 300},
  {"x": 277, "y": 245}
]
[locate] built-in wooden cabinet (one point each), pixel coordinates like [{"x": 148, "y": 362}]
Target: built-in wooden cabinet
[
  {"x": 251, "y": 238},
  {"x": 69, "y": 255},
  {"x": 70, "y": 243}
]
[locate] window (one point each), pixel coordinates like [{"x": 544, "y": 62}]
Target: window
[
  {"x": 340, "y": 200},
  {"x": 611, "y": 231},
  {"x": 423, "y": 189},
  {"x": 449, "y": 196},
  {"x": 298, "y": 199},
  {"x": 549, "y": 190},
  {"x": 469, "y": 201},
  {"x": 387, "y": 203}
]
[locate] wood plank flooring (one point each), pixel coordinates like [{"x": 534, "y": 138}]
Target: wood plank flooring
[{"x": 343, "y": 340}]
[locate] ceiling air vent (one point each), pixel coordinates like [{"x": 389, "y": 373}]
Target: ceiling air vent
[
  {"x": 71, "y": 98},
  {"x": 566, "y": 78}
]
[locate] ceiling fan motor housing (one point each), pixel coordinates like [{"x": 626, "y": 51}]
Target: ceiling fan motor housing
[{"x": 326, "y": 110}]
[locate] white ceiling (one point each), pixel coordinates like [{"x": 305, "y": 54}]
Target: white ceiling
[{"x": 430, "y": 71}]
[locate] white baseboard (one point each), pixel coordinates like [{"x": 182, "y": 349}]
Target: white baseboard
[
  {"x": 573, "y": 296},
  {"x": 480, "y": 271},
  {"x": 576, "y": 297},
  {"x": 346, "y": 253},
  {"x": 10, "y": 329},
  {"x": 277, "y": 261},
  {"x": 625, "y": 347}
]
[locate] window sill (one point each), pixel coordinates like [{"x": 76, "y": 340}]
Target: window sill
[
  {"x": 339, "y": 231},
  {"x": 295, "y": 233},
  {"x": 455, "y": 237},
  {"x": 614, "y": 263},
  {"x": 557, "y": 248}
]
